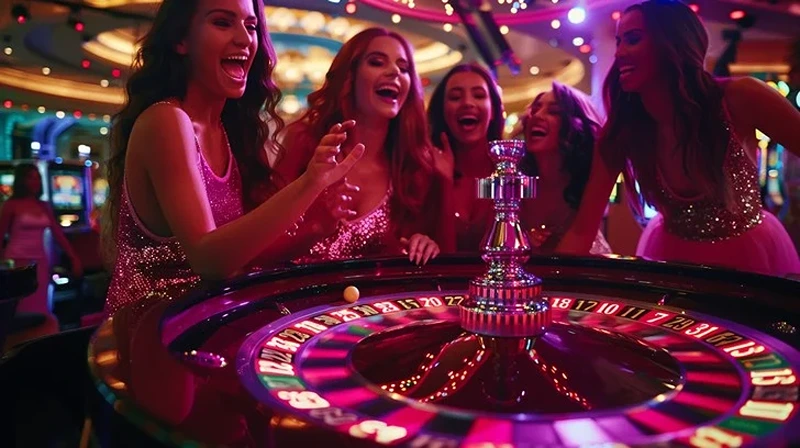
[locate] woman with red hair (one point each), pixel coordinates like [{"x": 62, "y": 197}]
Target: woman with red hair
[
  {"x": 373, "y": 87},
  {"x": 688, "y": 139}
]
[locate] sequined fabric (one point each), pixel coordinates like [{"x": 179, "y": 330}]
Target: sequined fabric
[
  {"x": 708, "y": 219},
  {"x": 369, "y": 235},
  {"x": 149, "y": 266}
]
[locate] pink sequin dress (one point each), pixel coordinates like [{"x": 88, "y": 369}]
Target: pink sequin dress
[
  {"x": 151, "y": 266},
  {"x": 367, "y": 236},
  {"x": 704, "y": 231}
]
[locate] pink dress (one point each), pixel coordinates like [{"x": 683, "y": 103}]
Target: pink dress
[
  {"x": 150, "y": 266},
  {"x": 367, "y": 236},
  {"x": 28, "y": 241},
  {"x": 703, "y": 231}
]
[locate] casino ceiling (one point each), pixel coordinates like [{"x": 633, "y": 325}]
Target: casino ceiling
[{"x": 73, "y": 56}]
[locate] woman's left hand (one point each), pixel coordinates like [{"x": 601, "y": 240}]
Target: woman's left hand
[
  {"x": 538, "y": 236},
  {"x": 420, "y": 248}
]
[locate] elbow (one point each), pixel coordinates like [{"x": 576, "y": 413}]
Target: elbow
[
  {"x": 211, "y": 270},
  {"x": 211, "y": 266}
]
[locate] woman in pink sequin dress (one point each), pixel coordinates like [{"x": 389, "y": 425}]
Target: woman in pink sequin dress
[
  {"x": 188, "y": 154},
  {"x": 689, "y": 140},
  {"x": 373, "y": 81}
]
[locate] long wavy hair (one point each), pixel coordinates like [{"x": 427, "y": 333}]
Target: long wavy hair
[
  {"x": 406, "y": 144},
  {"x": 629, "y": 136},
  {"x": 160, "y": 73},
  {"x": 580, "y": 126},
  {"x": 436, "y": 119}
]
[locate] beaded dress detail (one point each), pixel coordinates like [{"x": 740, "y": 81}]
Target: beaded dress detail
[
  {"x": 149, "y": 265},
  {"x": 703, "y": 230},
  {"x": 708, "y": 219},
  {"x": 369, "y": 235}
]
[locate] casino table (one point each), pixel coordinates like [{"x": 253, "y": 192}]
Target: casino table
[
  {"x": 497, "y": 349},
  {"x": 639, "y": 353}
]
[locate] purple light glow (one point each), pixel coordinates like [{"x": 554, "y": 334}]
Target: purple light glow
[
  {"x": 580, "y": 432},
  {"x": 529, "y": 16}
]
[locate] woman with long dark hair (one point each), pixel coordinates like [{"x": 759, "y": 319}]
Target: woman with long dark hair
[
  {"x": 688, "y": 139},
  {"x": 465, "y": 113},
  {"x": 373, "y": 81},
  {"x": 188, "y": 155},
  {"x": 560, "y": 129}
]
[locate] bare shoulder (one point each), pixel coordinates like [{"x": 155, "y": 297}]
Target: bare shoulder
[
  {"x": 162, "y": 127},
  {"x": 741, "y": 92},
  {"x": 46, "y": 207}
]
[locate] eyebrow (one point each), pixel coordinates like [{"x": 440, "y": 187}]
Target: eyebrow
[
  {"x": 481, "y": 88},
  {"x": 382, "y": 54},
  {"x": 228, "y": 13},
  {"x": 634, "y": 30},
  {"x": 542, "y": 103}
]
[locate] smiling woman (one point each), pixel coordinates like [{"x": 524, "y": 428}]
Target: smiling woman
[
  {"x": 372, "y": 80},
  {"x": 465, "y": 113},
  {"x": 187, "y": 154},
  {"x": 688, "y": 139}
]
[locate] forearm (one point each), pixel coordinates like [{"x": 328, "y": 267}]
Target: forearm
[
  {"x": 229, "y": 248},
  {"x": 292, "y": 244}
]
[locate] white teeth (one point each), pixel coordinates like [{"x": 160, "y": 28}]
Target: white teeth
[
  {"x": 236, "y": 58},
  {"x": 394, "y": 89},
  {"x": 538, "y": 131}
]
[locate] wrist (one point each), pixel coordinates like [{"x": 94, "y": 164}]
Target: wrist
[
  {"x": 446, "y": 176},
  {"x": 311, "y": 184}
]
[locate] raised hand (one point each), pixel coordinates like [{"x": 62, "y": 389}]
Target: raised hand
[
  {"x": 420, "y": 248},
  {"x": 443, "y": 159},
  {"x": 334, "y": 205},
  {"x": 538, "y": 235},
  {"x": 324, "y": 169}
]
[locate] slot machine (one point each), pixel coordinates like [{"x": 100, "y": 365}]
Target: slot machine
[{"x": 70, "y": 191}]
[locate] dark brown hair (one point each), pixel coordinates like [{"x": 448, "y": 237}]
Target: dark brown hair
[
  {"x": 436, "y": 105},
  {"x": 161, "y": 73},
  {"x": 628, "y": 137},
  {"x": 580, "y": 125},
  {"x": 20, "y": 188}
]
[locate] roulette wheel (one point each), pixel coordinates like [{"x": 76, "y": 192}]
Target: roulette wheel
[{"x": 505, "y": 351}]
